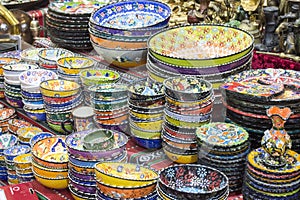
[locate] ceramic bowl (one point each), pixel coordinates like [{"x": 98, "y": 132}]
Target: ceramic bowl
[
  {"x": 11, "y": 77},
  {"x": 13, "y": 84},
  {"x": 100, "y": 105},
  {"x": 54, "y": 183},
  {"x": 148, "y": 143},
  {"x": 126, "y": 15},
  {"x": 12, "y": 152},
  {"x": 122, "y": 58},
  {"x": 53, "y": 100},
  {"x": 98, "y": 76},
  {"x": 26, "y": 133},
  {"x": 30, "y": 95},
  {"x": 56, "y": 126},
  {"x": 74, "y": 142},
  {"x": 40, "y": 136},
  {"x": 99, "y": 140},
  {"x": 6, "y": 61},
  {"x": 124, "y": 174},
  {"x": 150, "y": 125},
  {"x": 59, "y": 88},
  {"x": 49, "y": 173},
  {"x": 33, "y": 106},
  {"x": 144, "y": 90},
  {"x": 17, "y": 68},
  {"x": 35, "y": 77},
  {"x": 30, "y": 55},
  {"x": 73, "y": 65},
  {"x": 138, "y": 132},
  {"x": 108, "y": 91},
  {"x": 23, "y": 161},
  {"x": 7, "y": 140},
  {"x": 216, "y": 181},
  {"x": 222, "y": 44},
  {"x": 49, "y": 56}
]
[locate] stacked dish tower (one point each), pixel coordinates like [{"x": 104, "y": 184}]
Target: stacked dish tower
[
  {"x": 24, "y": 167},
  {"x": 146, "y": 105},
  {"x": 12, "y": 83},
  {"x": 7, "y": 114},
  {"x": 5, "y": 61},
  {"x": 210, "y": 51},
  {"x": 60, "y": 97},
  {"x": 189, "y": 102},
  {"x": 85, "y": 150},
  {"x": 119, "y": 31},
  {"x": 30, "y": 90},
  {"x": 26, "y": 133},
  {"x": 225, "y": 147},
  {"x": 15, "y": 124},
  {"x": 67, "y": 22}
]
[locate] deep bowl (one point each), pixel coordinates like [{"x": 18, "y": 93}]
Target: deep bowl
[
  {"x": 148, "y": 143},
  {"x": 36, "y": 76},
  {"x": 99, "y": 140},
  {"x": 142, "y": 90},
  {"x": 108, "y": 91},
  {"x": 54, "y": 183},
  {"x": 30, "y": 55},
  {"x": 49, "y": 56},
  {"x": 49, "y": 173},
  {"x": 73, "y": 65},
  {"x": 200, "y": 45},
  {"x": 7, "y": 140},
  {"x": 59, "y": 88},
  {"x": 98, "y": 76},
  {"x": 26, "y": 133},
  {"x": 17, "y": 68}
]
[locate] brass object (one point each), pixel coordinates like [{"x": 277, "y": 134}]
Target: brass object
[
  {"x": 250, "y": 5},
  {"x": 11, "y": 19}
]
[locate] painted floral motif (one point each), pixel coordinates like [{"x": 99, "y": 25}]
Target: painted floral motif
[{"x": 77, "y": 7}]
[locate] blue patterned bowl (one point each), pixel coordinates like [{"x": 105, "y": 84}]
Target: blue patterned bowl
[
  {"x": 7, "y": 140},
  {"x": 36, "y": 76},
  {"x": 14, "y": 151},
  {"x": 148, "y": 143}
]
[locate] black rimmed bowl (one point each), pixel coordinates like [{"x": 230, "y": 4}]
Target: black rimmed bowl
[{"x": 145, "y": 90}]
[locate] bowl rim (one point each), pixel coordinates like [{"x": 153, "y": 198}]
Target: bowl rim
[
  {"x": 92, "y": 78},
  {"x": 118, "y": 49},
  {"x": 34, "y": 70},
  {"x": 6, "y": 66},
  {"x": 93, "y": 62},
  {"x": 63, "y": 91},
  {"x": 41, "y": 58}
]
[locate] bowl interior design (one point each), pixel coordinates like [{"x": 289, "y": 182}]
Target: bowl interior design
[{"x": 36, "y": 76}]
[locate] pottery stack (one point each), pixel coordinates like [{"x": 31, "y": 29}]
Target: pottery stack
[
  {"x": 60, "y": 97},
  {"x": 5, "y": 61},
  {"x": 85, "y": 150},
  {"x": 119, "y": 31},
  {"x": 224, "y": 146},
  {"x": 213, "y": 52},
  {"x": 7, "y": 141},
  {"x": 6, "y": 115},
  {"x": 12, "y": 84},
  {"x": 15, "y": 124},
  {"x": 24, "y": 167},
  {"x": 146, "y": 110},
  {"x": 67, "y": 22},
  {"x": 189, "y": 103},
  {"x": 30, "y": 90},
  {"x": 249, "y": 94},
  {"x": 26, "y": 133}
]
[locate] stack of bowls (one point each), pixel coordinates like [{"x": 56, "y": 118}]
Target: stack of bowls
[
  {"x": 224, "y": 146},
  {"x": 192, "y": 181},
  {"x": 50, "y": 162},
  {"x": 5, "y": 61},
  {"x": 6, "y": 115},
  {"x": 49, "y": 56},
  {"x": 6, "y": 141},
  {"x": 24, "y": 167},
  {"x": 39, "y": 136},
  {"x": 68, "y": 68},
  {"x": 60, "y": 97},
  {"x": 125, "y": 181},
  {"x": 110, "y": 106},
  {"x": 15, "y": 124},
  {"x": 146, "y": 106},
  {"x": 82, "y": 182},
  {"x": 189, "y": 103},
  {"x": 26, "y": 133},
  {"x": 213, "y": 52},
  {"x": 30, "y": 90},
  {"x": 119, "y": 31},
  {"x": 9, "y": 155},
  {"x": 30, "y": 55},
  {"x": 12, "y": 83}
]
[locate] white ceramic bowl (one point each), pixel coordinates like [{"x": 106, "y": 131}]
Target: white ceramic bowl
[{"x": 36, "y": 76}]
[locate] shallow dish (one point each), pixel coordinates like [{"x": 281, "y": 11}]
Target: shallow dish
[
  {"x": 200, "y": 45},
  {"x": 98, "y": 76},
  {"x": 59, "y": 88},
  {"x": 73, "y": 65}
]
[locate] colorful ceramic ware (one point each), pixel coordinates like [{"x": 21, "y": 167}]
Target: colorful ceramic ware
[
  {"x": 73, "y": 65},
  {"x": 99, "y": 140},
  {"x": 35, "y": 77},
  {"x": 30, "y": 55},
  {"x": 17, "y": 68},
  {"x": 59, "y": 88},
  {"x": 49, "y": 56},
  {"x": 40, "y": 136},
  {"x": 23, "y": 161},
  {"x": 98, "y": 76},
  {"x": 54, "y": 183},
  {"x": 26, "y": 133},
  {"x": 7, "y": 140}
]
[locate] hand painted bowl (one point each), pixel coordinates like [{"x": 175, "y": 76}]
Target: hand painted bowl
[
  {"x": 150, "y": 125},
  {"x": 145, "y": 89},
  {"x": 122, "y": 58},
  {"x": 126, "y": 15},
  {"x": 30, "y": 55},
  {"x": 49, "y": 56},
  {"x": 59, "y": 88},
  {"x": 143, "y": 133},
  {"x": 11, "y": 77},
  {"x": 23, "y": 161},
  {"x": 53, "y": 183},
  {"x": 7, "y": 113},
  {"x": 101, "y": 196},
  {"x": 73, "y": 65},
  {"x": 35, "y": 77},
  {"x": 148, "y": 143},
  {"x": 98, "y": 76},
  {"x": 40, "y": 136},
  {"x": 99, "y": 140},
  {"x": 108, "y": 91},
  {"x": 17, "y": 68},
  {"x": 26, "y": 133},
  {"x": 124, "y": 174},
  {"x": 49, "y": 173},
  {"x": 12, "y": 152},
  {"x": 6, "y": 61},
  {"x": 200, "y": 45},
  {"x": 178, "y": 186},
  {"x": 7, "y": 140}
]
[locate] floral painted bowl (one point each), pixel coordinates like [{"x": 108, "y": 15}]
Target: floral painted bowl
[
  {"x": 124, "y": 174},
  {"x": 179, "y": 155},
  {"x": 145, "y": 90},
  {"x": 7, "y": 140},
  {"x": 200, "y": 45},
  {"x": 30, "y": 55},
  {"x": 98, "y": 76},
  {"x": 126, "y": 15},
  {"x": 99, "y": 140},
  {"x": 148, "y": 143},
  {"x": 49, "y": 56},
  {"x": 49, "y": 173},
  {"x": 6, "y": 113},
  {"x": 143, "y": 133},
  {"x": 187, "y": 88},
  {"x": 36, "y": 76},
  {"x": 14, "y": 151},
  {"x": 40, "y": 136},
  {"x": 73, "y": 65},
  {"x": 15, "y": 124},
  {"x": 26, "y": 133},
  {"x": 176, "y": 181},
  {"x": 17, "y": 68},
  {"x": 6, "y": 61},
  {"x": 54, "y": 183},
  {"x": 59, "y": 88},
  {"x": 108, "y": 91},
  {"x": 23, "y": 161}
]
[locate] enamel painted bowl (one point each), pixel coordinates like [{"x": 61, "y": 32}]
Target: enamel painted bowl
[
  {"x": 30, "y": 55},
  {"x": 124, "y": 174},
  {"x": 145, "y": 90},
  {"x": 98, "y": 76},
  {"x": 176, "y": 181},
  {"x": 40, "y": 136},
  {"x": 35, "y": 77},
  {"x": 7, "y": 140},
  {"x": 126, "y": 15},
  {"x": 59, "y": 88},
  {"x": 108, "y": 91},
  {"x": 200, "y": 45},
  {"x": 6, "y": 61},
  {"x": 23, "y": 161},
  {"x": 99, "y": 140},
  {"x": 49, "y": 56},
  {"x": 14, "y": 151},
  {"x": 17, "y": 68},
  {"x": 26, "y": 133},
  {"x": 73, "y": 65},
  {"x": 49, "y": 173},
  {"x": 54, "y": 183}
]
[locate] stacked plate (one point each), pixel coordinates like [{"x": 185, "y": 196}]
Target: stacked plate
[
  {"x": 119, "y": 31},
  {"x": 249, "y": 94},
  {"x": 60, "y": 97},
  {"x": 264, "y": 182},
  {"x": 5, "y": 61},
  {"x": 6, "y": 115},
  {"x": 12, "y": 83},
  {"x": 146, "y": 104},
  {"x": 24, "y": 167},
  {"x": 50, "y": 162},
  {"x": 7, "y": 141},
  {"x": 189, "y": 103},
  {"x": 213, "y": 52},
  {"x": 110, "y": 106},
  {"x": 67, "y": 22},
  {"x": 9, "y": 155},
  {"x": 224, "y": 146},
  {"x": 192, "y": 181},
  {"x": 30, "y": 90},
  {"x": 82, "y": 182}
]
